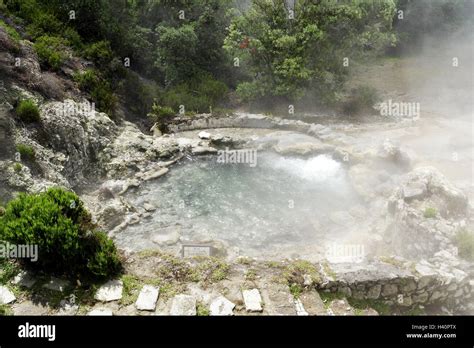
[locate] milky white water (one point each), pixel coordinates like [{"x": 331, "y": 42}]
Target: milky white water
[{"x": 278, "y": 203}]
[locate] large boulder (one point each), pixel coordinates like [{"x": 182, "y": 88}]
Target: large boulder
[{"x": 78, "y": 133}]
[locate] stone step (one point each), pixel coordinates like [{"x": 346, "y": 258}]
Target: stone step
[
  {"x": 278, "y": 299},
  {"x": 312, "y": 303}
]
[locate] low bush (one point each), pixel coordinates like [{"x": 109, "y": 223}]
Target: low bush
[
  {"x": 197, "y": 95},
  {"x": 50, "y": 50},
  {"x": 27, "y": 152},
  {"x": 99, "y": 89},
  {"x": 464, "y": 241},
  {"x": 28, "y": 111},
  {"x": 430, "y": 213},
  {"x": 362, "y": 99},
  {"x": 68, "y": 242}
]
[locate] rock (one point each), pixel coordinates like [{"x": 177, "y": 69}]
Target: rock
[
  {"x": 110, "y": 291},
  {"x": 155, "y": 173},
  {"x": 389, "y": 290},
  {"x": 204, "y": 135},
  {"x": 6, "y": 296},
  {"x": 170, "y": 236},
  {"x": 414, "y": 190},
  {"x": 312, "y": 303},
  {"x": 307, "y": 280},
  {"x": 67, "y": 308},
  {"x": 300, "y": 308},
  {"x": 277, "y": 298},
  {"x": 374, "y": 292},
  {"x": 252, "y": 300},
  {"x": 183, "y": 305},
  {"x": 149, "y": 207},
  {"x": 27, "y": 307},
  {"x": 341, "y": 307},
  {"x": 420, "y": 298},
  {"x": 100, "y": 312},
  {"x": 24, "y": 279},
  {"x": 156, "y": 130},
  {"x": 56, "y": 284},
  {"x": 147, "y": 298},
  {"x": 222, "y": 306}
]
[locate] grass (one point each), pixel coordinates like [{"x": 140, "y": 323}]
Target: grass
[
  {"x": 295, "y": 271},
  {"x": 296, "y": 290},
  {"x": 430, "y": 213},
  {"x": 17, "y": 167},
  {"x": 329, "y": 271},
  {"x": 251, "y": 274},
  {"x": 26, "y": 151},
  {"x": 464, "y": 241},
  {"x": 5, "y": 310},
  {"x": 380, "y": 306},
  {"x": 202, "y": 310},
  {"x": 12, "y": 33},
  {"x": 327, "y": 297},
  {"x": 28, "y": 111},
  {"x": 131, "y": 287},
  {"x": 8, "y": 270}
]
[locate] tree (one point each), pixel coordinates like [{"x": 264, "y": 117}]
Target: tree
[{"x": 290, "y": 50}]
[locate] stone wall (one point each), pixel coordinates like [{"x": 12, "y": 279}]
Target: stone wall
[{"x": 403, "y": 284}]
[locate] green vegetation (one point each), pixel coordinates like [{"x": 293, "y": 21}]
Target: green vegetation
[
  {"x": 68, "y": 242},
  {"x": 296, "y": 290},
  {"x": 50, "y": 50},
  {"x": 26, "y": 151},
  {"x": 430, "y": 213},
  {"x": 202, "y": 310},
  {"x": 192, "y": 53},
  {"x": 12, "y": 33},
  {"x": 131, "y": 289},
  {"x": 381, "y": 307},
  {"x": 100, "y": 90},
  {"x": 362, "y": 99},
  {"x": 8, "y": 269},
  {"x": 464, "y": 241},
  {"x": 5, "y": 310},
  {"x": 17, "y": 167},
  {"x": 28, "y": 111}
]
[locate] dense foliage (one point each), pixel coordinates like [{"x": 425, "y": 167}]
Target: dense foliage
[
  {"x": 68, "y": 242},
  {"x": 192, "y": 53}
]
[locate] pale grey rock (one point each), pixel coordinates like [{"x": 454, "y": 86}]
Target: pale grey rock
[
  {"x": 222, "y": 306},
  {"x": 204, "y": 135},
  {"x": 24, "y": 279},
  {"x": 183, "y": 305},
  {"x": 100, "y": 312},
  {"x": 300, "y": 308},
  {"x": 252, "y": 300},
  {"x": 6, "y": 296},
  {"x": 147, "y": 298},
  {"x": 110, "y": 291}
]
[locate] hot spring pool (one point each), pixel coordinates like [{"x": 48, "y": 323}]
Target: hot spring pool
[{"x": 281, "y": 202}]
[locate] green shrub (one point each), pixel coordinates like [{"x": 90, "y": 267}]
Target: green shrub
[
  {"x": 26, "y": 151},
  {"x": 12, "y": 33},
  {"x": 99, "y": 52},
  {"x": 197, "y": 95},
  {"x": 465, "y": 243},
  {"x": 45, "y": 24},
  {"x": 68, "y": 242},
  {"x": 430, "y": 213},
  {"x": 17, "y": 167},
  {"x": 28, "y": 111},
  {"x": 50, "y": 50},
  {"x": 99, "y": 89},
  {"x": 362, "y": 99}
]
